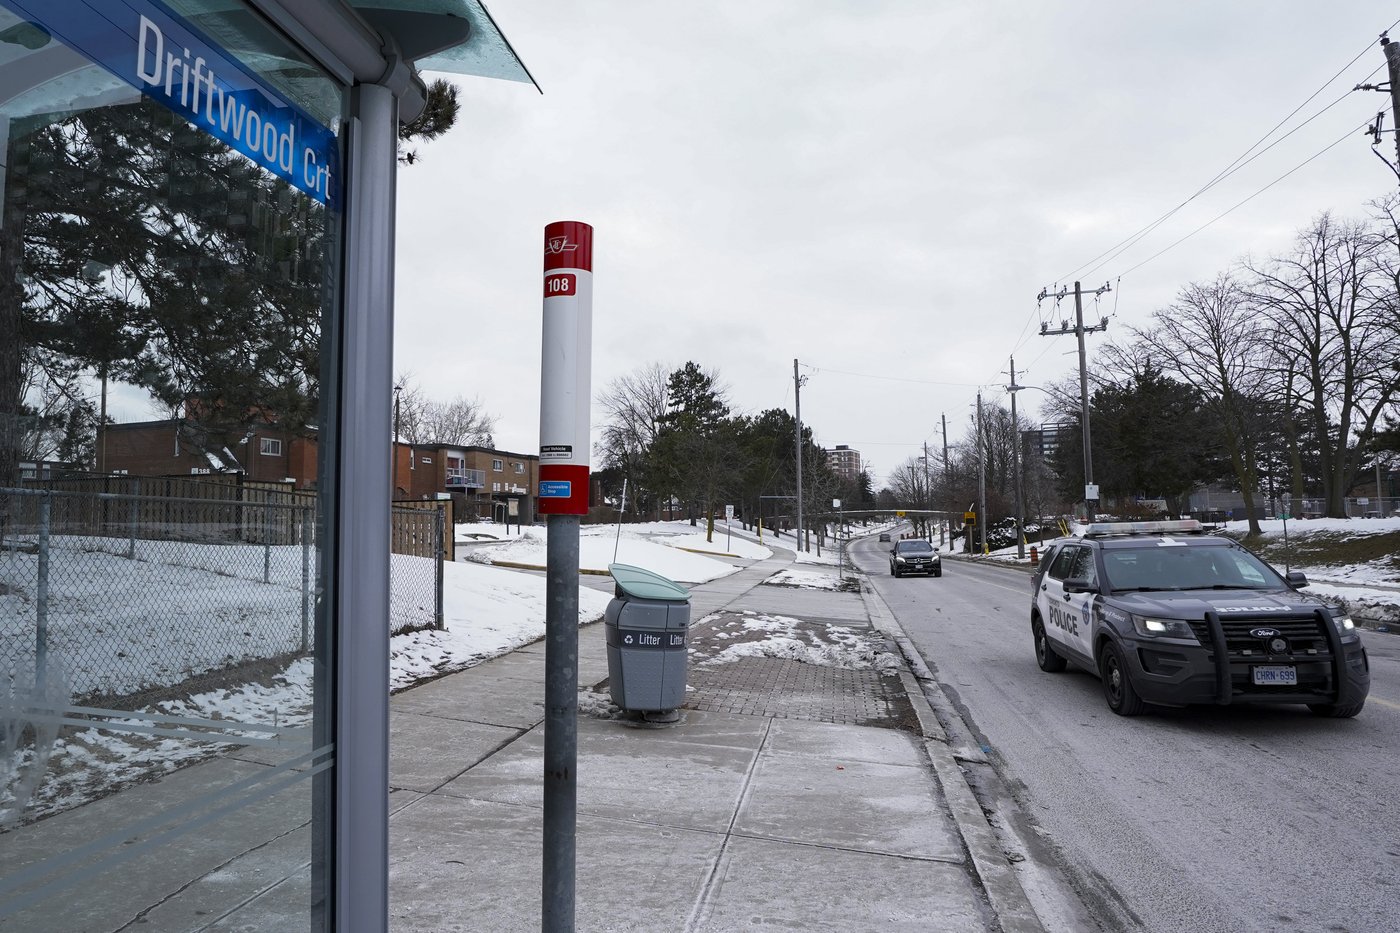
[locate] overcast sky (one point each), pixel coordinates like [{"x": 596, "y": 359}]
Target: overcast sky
[{"x": 877, "y": 189}]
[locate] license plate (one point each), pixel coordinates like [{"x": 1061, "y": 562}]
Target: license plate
[{"x": 1282, "y": 675}]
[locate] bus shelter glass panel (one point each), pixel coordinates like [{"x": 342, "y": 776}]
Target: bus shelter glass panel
[{"x": 169, "y": 244}]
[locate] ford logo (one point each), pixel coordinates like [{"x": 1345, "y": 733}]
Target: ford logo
[{"x": 1264, "y": 633}]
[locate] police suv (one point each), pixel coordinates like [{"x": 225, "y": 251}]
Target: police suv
[{"x": 1168, "y": 615}]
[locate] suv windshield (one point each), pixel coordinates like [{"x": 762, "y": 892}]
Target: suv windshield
[
  {"x": 913, "y": 547},
  {"x": 1154, "y": 567}
]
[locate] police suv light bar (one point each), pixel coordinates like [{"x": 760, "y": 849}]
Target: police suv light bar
[{"x": 1175, "y": 526}]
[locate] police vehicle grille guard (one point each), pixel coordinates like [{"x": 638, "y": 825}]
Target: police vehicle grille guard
[{"x": 1221, "y": 652}]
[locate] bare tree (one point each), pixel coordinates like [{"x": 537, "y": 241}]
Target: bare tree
[
  {"x": 1332, "y": 306},
  {"x": 634, "y": 404},
  {"x": 910, "y": 483},
  {"x": 459, "y": 421},
  {"x": 1209, "y": 337},
  {"x": 422, "y": 420}
]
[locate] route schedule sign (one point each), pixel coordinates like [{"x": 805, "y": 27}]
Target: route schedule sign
[{"x": 566, "y": 368}]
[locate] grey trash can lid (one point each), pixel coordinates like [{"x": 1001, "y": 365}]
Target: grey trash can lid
[{"x": 644, "y": 584}]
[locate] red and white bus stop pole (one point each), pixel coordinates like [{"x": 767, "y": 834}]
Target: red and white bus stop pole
[{"x": 565, "y": 395}]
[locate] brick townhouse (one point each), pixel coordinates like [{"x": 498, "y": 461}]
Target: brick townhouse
[{"x": 485, "y": 481}]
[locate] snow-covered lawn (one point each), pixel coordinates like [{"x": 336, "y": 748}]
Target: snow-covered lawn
[
  {"x": 174, "y": 609},
  {"x": 658, "y": 549},
  {"x": 487, "y": 611}
]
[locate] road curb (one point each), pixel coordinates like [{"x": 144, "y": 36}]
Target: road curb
[{"x": 1008, "y": 899}]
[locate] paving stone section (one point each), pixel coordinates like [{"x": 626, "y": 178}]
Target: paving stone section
[{"x": 793, "y": 688}]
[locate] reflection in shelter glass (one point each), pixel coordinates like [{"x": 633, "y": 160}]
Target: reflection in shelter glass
[{"x": 164, "y": 745}]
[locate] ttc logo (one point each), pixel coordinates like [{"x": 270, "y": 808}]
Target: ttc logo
[{"x": 558, "y": 245}]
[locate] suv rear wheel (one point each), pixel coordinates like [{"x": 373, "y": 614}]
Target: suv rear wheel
[
  {"x": 1045, "y": 654},
  {"x": 1118, "y": 688}
]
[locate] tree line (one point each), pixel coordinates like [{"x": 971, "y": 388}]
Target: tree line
[{"x": 674, "y": 438}]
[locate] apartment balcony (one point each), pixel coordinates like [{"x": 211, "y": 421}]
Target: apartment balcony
[{"x": 466, "y": 479}]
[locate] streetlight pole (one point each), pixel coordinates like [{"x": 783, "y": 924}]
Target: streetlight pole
[
  {"x": 797, "y": 417},
  {"x": 394, "y": 445},
  {"x": 947, "y": 477}
]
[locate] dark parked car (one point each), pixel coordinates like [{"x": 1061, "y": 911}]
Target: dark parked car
[{"x": 915, "y": 555}]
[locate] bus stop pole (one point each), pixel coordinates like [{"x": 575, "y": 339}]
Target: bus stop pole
[
  {"x": 561, "y": 723},
  {"x": 563, "y": 495}
]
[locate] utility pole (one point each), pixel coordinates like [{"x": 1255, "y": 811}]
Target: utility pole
[
  {"x": 797, "y": 416},
  {"x": 1391, "y": 87},
  {"x": 1392, "y": 62},
  {"x": 1016, "y": 462},
  {"x": 947, "y": 482},
  {"x": 928, "y": 496},
  {"x": 981, "y": 478},
  {"x": 1091, "y": 492}
]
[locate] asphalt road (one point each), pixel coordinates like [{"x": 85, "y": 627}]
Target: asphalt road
[{"x": 1204, "y": 819}]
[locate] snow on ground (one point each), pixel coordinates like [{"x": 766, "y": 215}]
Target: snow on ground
[
  {"x": 760, "y": 635},
  {"x": 601, "y": 545},
  {"x": 806, "y": 579},
  {"x": 84, "y": 764},
  {"x": 487, "y": 611},
  {"x": 1352, "y": 527},
  {"x": 728, "y": 545}
]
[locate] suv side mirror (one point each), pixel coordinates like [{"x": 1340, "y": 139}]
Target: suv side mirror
[
  {"x": 1079, "y": 585},
  {"x": 1296, "y": 578}
]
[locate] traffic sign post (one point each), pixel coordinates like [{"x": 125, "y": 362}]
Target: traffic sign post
[{"x": 565, "y": 395}]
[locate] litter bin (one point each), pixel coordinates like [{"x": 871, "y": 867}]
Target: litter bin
[{"x": 646, "y": 626}]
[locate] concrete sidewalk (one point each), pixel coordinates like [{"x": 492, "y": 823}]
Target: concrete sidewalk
[{"x": 789, "y": 796}]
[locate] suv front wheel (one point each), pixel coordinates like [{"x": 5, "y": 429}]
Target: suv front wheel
[
  {"x": 1118, "y": 687},
  {"x": 1336, "y": 710}
]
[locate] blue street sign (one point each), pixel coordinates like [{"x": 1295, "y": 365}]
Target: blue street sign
[
  {"x": 149, "y": 47},
  {"x": 555, "y": 489}
]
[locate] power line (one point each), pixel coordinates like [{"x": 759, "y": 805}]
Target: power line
[
  {"x": 926, "y": 382},
  {"x": 1141, "y": 235},
  {"x": 1243, "y": 159},
  {"x": 1234, "y": 165},
  {"x": 1256, "y": 194}
]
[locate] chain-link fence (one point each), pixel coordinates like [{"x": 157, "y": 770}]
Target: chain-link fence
[
  {"x": 130, "y": 593},
  {"x": 415, "y": 568},
  {"x": 1353, "y": 506}
]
